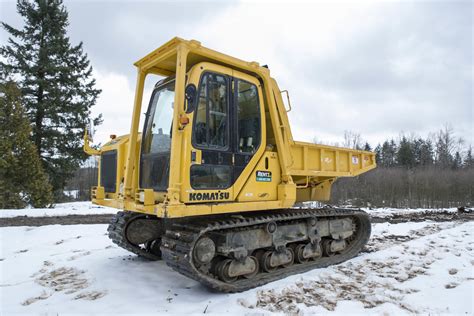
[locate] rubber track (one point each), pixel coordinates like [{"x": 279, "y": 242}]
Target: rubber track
[
  {"x": 116, "y": 231},
  {"x": 179, "y": 240}
]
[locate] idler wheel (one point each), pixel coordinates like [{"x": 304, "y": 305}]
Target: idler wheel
[
  {"x": 327, "y": 248},
  {"x": 257, "y": 268},
  {"x": 222, "y": 270},
  {"x": 204, "y": 250}
]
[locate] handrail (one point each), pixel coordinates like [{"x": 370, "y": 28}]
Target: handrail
[{"x": 288, "y": 97}]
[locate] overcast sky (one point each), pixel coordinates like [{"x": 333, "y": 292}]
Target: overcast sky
[{"x": 374, "y": 68}]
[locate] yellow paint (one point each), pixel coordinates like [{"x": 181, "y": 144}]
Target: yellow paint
[{"x": 299, "y": 171}]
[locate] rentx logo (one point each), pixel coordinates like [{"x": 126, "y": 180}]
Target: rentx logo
[
  {"x": 209, "y": 196},
  {"x": 264, "y": 176}
]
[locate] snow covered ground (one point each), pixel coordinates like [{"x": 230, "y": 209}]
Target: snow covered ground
[
  {"x": 407, "y": 268},
  {"x": 61, "y": 209},
  {"x": 389, "y": 212}
]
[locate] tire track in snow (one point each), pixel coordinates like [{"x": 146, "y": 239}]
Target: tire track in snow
[{"x": 374, "y": 278}]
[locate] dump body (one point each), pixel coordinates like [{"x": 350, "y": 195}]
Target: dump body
[
  {"x": 319, "y": 161},
  {"x": 275, "y": 174}
]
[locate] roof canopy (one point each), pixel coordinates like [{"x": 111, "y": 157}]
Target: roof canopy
[{"x": 162, "y": 61}]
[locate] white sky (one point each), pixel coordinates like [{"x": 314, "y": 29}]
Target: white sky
[{"x": 375, "y": 68}]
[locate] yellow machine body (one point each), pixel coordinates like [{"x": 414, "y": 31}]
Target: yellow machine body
[{"x": 278, "y": 173}]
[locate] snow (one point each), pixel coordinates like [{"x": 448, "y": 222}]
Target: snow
[
  {"x": 389, "y": 212},
  {"x": 72, "y": 193},
  {"x": 60, "y": 209},
  {"x": 422, "y": 268}
]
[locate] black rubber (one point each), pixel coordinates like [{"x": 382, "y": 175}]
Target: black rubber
[
  {"x": 178, "y": 242},
  {"x": 117, "y": 233}
]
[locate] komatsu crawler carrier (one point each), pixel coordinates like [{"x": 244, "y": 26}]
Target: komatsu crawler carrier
[{"x": 210, "y": 184}]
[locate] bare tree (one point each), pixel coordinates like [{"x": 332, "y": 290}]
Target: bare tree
[{"x": 352, "y": 140}]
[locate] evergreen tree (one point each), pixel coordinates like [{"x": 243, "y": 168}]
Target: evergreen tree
[
  {"x": 378, "y": 154},
  {"x": 416, "y": 148},
  {"x": 367, "y": 147},
  {"x": 425, "y": 154},
  {"x": 56, "y": 83},
  {"x": 469, "y": 161},
  {"x": 389, "y": 150},
  {"x": 405, "y": 156},
  {"x": 22, "y": 180},
  {"x": 457, "y": 161}
]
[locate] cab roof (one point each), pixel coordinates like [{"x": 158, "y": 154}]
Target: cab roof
[{"x": 162, "y": 61}]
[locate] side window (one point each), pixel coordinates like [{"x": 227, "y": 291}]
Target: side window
[
  {"x": 211, "y": 124},
  {"x": 248, "y": 117}
]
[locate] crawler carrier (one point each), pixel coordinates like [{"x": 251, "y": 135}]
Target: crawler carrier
[{"x": 210, "y": 184}]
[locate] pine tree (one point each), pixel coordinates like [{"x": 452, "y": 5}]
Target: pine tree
[
  {"x": 457, "y": 161},
  {"x": 56, "y": 83},
  {"x": 367, "y": 147},
  {"x": 426, "y": 153},
  {"x": 378, "y": 154},
  {"x": 22, "y": 180},
  {"x": 469, "y": 160},
  {"x": 405, "y": 156},
  {"x": 388, "y": 152}
]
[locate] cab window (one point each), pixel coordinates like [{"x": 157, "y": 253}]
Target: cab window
[
  {"x": 211, "y": 125},
  {"x": 248, "y": 117}
]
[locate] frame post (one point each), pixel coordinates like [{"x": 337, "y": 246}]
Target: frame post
[
  {"x": 176, "y": 155},
  {"x": 132, "y": 149}
]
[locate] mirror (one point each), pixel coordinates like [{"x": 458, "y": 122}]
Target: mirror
[
  {"x": 90, "y": 129},
  {"x": 190, "y": 95}
]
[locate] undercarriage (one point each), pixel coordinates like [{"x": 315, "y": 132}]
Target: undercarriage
[{"x": 239, "y": 252}]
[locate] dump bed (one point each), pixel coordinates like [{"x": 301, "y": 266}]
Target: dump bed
[{"x": 329, "y": 161}]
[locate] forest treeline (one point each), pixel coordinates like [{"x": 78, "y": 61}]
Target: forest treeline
[{"x": 412, "y": 172}]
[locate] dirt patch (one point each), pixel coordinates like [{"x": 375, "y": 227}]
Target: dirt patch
[
  {"x": 90, "y": 296},
  {"x": 444, "y": 216},
  {"x": 44, "y": 295},
  {"x": 383, "y": 241},
  {"x": 56, "y": 220},
  {"x": 68, "y": 280}
]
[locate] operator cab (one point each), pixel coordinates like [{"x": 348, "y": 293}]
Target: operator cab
[{"x": 225, "y": 130}]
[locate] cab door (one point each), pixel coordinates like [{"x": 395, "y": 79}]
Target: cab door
[{"x": 227, "y": 133}]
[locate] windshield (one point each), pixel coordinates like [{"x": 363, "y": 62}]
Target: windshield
[
  {"x": 157, "y": 138},
  {"x": 156, "y": 143}
]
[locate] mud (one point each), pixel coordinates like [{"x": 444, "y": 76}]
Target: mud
[
  {"x": 462, "y": 214},
  {"x": 56, "y": 220},
  {"x": 63, "y": 279}
]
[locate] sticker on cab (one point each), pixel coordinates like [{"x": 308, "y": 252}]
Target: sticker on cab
[{"x": 264, "y": 176}]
